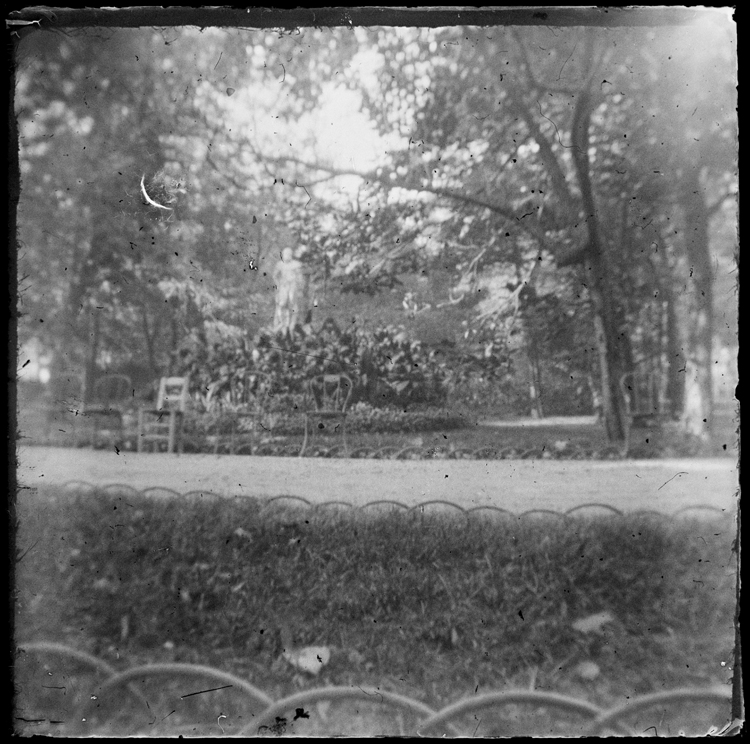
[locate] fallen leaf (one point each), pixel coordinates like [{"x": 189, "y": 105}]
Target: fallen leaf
[
  {"x": 310, "y": 659},
  {"x": 587, "y": 670},
  {"x": 593, "y": 623}
]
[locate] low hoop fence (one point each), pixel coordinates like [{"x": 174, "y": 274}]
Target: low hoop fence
[
  {"x": 593, "y": 508},
  {"x": 84, "y": 695}
]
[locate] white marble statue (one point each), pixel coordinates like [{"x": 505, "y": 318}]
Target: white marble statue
[{"x": 292, "y": 289}]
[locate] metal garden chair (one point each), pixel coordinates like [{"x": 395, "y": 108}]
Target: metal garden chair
[
  {"x": 643, "y": 397},
  {"x": 163, "y": 424},
  {"x": 110, "y": 396},
  {"x": 326, "y": 410},
  {"x": 242, "y": 407}
]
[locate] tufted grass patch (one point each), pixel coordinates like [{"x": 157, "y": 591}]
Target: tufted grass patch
[{"x": 429, "y": 604}]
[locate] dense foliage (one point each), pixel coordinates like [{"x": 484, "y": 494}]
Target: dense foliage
[
  {"x": 386, "y": 368},
  {"x": 595, "y": 167}
]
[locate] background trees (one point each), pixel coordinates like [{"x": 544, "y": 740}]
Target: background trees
[
  {"x": 618, "y": 201},
  {"x": 542, "y": 196}
]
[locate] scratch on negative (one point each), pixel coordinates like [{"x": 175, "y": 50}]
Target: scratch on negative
[
  {"x": 682, "y": 472},
  {"x": 370, "y": 693}
]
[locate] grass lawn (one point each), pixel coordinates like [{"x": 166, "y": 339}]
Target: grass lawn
[
  {"x": 552, "y": 441},
  {"x": 545, "y": 440},
  {"x": 433, "y": 607}
]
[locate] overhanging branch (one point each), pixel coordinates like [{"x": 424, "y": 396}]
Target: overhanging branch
[{"x": 391, "y": 181}]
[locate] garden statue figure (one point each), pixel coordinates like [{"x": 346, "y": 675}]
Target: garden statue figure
[{"x": 292, "y": 288}]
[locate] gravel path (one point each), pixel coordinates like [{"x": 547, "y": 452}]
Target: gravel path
[{"x": 516, "y": 485}]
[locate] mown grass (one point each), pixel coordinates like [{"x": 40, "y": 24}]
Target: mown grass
[{"x": 431, "y": 605}]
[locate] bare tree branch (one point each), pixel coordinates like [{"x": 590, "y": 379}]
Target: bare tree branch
[
  {"x": 514, "y": 299},
  {"x": 391, "y": 181},
  {"x": 712, "y": 209},
  {"x": 531, "y": 78},
  {"x": 551, "y": 161}
]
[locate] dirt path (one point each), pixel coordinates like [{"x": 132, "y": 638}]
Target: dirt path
[{"x": 517, "y": 485}]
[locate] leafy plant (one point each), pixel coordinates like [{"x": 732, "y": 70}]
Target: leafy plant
[{"x": 385, "y": 366}]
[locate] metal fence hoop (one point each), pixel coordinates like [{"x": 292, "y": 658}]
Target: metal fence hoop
[
  {"x": 649, "y": 513},
  {"x": 130, "y": 676},
  {"x": 717, "y": 511},
  {"x": 301, "y": 699},
  {"x": 507, "y": 697},
  {"x": 440, "y": 502},
  {"x": 328, "y": 504},
  {"x": 121, "y": 489},
  {"x": 608, "y": 717},
  {"x": 549, "y": 512},
  {"x": 406, "y": 453},
  {"x": 50, "y": 647},
  {"x": 268, "y": 502},
  {"x": 490, "y": 507},
  {"x": 461, "y": 453},
  {"x": 491, "y": 452},
  {"x": 159, "y": 491},
  {"x": 595, "y": 505},
  {"x": 385, "y": 502},
  {"x": 385, "y": 452},
  {"x": 360, "y": 453},
  {"x": 60, "y": 649},
  {"x": 204, "y": 495}
]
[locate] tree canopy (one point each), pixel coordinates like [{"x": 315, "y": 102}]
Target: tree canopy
[{"x": 566, "y": 189}]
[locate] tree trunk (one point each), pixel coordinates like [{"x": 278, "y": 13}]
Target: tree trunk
[
  {"x": 675, "y": 360},
  {"x": 174, "y": 342},
  {"x": 89, "y": 375},
  {"x": 149, "y": 337},
  {"x": 535, "y": 385},
  {"x": 599, "y": 284},
  {"x": 699, "y": 300}
]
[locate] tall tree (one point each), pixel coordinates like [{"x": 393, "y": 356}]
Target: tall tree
[
  {"x": 540, "y": 148},
  {"x": 126, "y": 241}
]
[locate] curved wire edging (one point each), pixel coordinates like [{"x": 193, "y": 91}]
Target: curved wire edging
[
  {"x": 491, "y": 507},
  {"x": 327, "y": 504},
  {"x": 161, "y": 491},
  {"x": 61, "y": 649},
  {"x": 385, "y": 502},
  {"x": 699, "y": 507},
  {"x": 274, "y": 499},
  {"x": 597, "y": 719},
  {"x": 130, "y": 676},
  {"x": 201, "y": 494},
  {"x": 52, "y": 647},
  {"x": 595, "y": 505},
  {"x": 548, "y": 512},
  {"x": 508, "y": 697},
  {"x": 436, "y": 502},
  {"x": 121, "y": 489},
  {"x": 635, "y": 705},
  {"x": 336, "y": 693},
  {"x": 112, "y": 490}
]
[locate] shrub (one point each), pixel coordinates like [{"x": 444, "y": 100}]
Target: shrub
[
  {"x": 363, "y": 419},
  {"x": 386, "y": 368}
]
